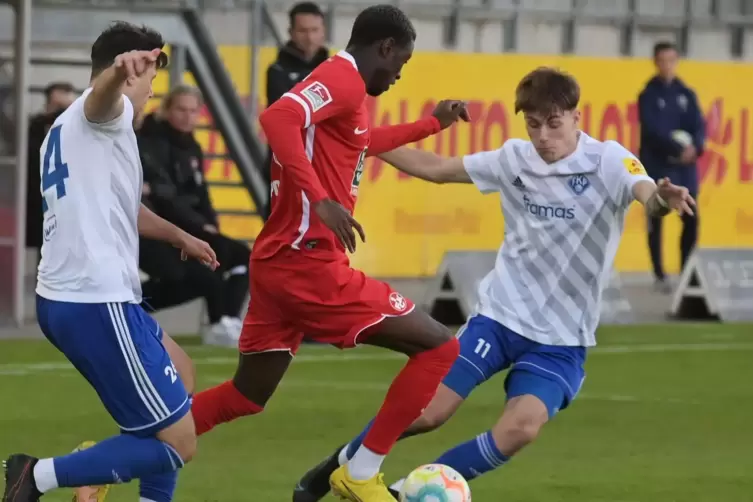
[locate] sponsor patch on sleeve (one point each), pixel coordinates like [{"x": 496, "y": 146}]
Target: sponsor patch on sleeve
[
  {"x": 317, "y": 95},
  {"x": 634, "y": 166}
]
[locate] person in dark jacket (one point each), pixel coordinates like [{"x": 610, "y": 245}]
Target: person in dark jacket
[
  {"x": 672, "y": 139},
  {"x": 58, "y": 97},
  {"x": 173, "y": 162},
  {"x": 297, "y": 58}
]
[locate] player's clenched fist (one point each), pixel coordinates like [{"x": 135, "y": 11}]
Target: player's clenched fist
[
  {"x": 450, "y": 111},
  {"x": 191, "y": 247},
  {"x": 135, "y": 63},
  {"x": 340, "y": 221},
  {"x": 676, "y": 197}
]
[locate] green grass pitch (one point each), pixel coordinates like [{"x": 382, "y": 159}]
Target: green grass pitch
[{"x": 666, "y": 414}]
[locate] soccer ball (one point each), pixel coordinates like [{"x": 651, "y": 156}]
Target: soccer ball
[
  {"x": 682, "y": 137},
  {"x": 435, "y": 483}
]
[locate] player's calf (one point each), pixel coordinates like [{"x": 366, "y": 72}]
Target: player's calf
[
  {"x": 247, "y": 393},
  {"x": 520, "y": 424},
  {"x": 532, "y": 401},
  {"x": 118, "y": 459},
  {"x": 432, "y": 350}
]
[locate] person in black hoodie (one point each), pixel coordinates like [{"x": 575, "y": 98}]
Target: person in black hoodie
[
  {"x": 58, "y": 96},
  {"x": 297, "y": 58},
  {"x": 673, "y": 134},
  {"x": 173, "y": 162}
]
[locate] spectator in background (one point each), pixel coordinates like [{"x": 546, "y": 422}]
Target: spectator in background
[
  {"x": 173, "y": 172},
  {"x": 297, "y": 58},
  {"x": 58, "y": 97},
  {"x": 672, "y": 139}
]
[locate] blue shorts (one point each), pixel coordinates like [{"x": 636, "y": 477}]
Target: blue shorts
[
  {"x": 118, "y": 348},
  {"x": 552, "y": 373}
]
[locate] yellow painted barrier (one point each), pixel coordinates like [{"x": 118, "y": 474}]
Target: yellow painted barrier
[{"x": 410, "y": 224}]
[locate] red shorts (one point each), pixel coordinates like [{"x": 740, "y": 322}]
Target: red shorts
[{"x": 293, "y": 295}]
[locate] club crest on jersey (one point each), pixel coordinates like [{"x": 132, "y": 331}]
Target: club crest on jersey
[
  {"x": 317, "y": 95},
  {"x": 398, "y": 302},
  {"x": 579, "y": 183}
]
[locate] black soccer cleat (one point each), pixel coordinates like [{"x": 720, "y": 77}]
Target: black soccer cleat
[
  {"x": 314, "y": 485},
  {"x": 394, "y": 493},
  {"x": 19, "y": 479}
]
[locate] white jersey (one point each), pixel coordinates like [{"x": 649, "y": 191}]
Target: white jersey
[
  {"x": 563, "y": 224},
  {"x": 91, "y": 189}
]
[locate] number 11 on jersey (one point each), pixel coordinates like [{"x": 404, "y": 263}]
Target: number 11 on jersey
[{"x": 54, "y": 170}]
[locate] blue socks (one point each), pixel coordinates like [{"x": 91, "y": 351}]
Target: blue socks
[
  {"x": 158, "y": 487},
  {"x": 356, "y": 443},
  {"x": 471, "y": 459},
  {"x": 474, "y": 458},
  {"x": 118, "y": 459}
]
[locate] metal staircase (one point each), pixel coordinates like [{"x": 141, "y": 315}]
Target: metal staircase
[{"x": 57, "y": 36}]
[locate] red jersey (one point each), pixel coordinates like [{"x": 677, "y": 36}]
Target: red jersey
[{"x": 320, "y": 135}]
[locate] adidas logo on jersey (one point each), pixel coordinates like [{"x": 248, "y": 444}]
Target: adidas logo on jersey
[{"x": 518, "y": 183}]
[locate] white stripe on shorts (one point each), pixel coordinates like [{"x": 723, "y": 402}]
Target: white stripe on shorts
[
  {"x": 162, "y": 408},
  {"x": 146, "y": 391}
]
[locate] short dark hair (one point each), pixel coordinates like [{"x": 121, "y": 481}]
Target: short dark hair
[
  {"x": 304, "y": 8},
  {"x": 122, "y": 37},
  {"x": 547, "y": 90},
  {"x": 57, "y": 86},
  {"x": 380, "y": 22},
  {"x": 664, "y": 45}
]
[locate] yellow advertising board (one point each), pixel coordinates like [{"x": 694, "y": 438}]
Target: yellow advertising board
[{"x": 410, "y": 224}]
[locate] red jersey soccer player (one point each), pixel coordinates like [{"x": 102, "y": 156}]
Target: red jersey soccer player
[{"x": 301, "y": 279}]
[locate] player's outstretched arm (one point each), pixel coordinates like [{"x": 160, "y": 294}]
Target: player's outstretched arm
[
  {"x": 387, "y": 138},
  {"x": 427, "y": 165},
  {"x": 661, "y": 198},
  {"x": 152, "y": 226},
  {"x": 105, "y": 102}
]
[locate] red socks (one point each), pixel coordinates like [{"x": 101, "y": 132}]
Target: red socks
[
  {"x": 410, "y": 393},
  {"x": 219, "y": 405}
]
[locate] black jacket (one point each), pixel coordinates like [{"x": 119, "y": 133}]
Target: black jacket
[
  {"x": 290, "y": 68},
  {"x": 663, "y": 108},
  {"x": 38, "y": 127},
  {"x": 173, "y": 167}
]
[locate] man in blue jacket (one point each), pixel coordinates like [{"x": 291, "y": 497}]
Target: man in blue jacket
[{"x": 672, "y": 139}]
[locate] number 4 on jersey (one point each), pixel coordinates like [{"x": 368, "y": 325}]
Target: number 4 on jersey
[{"x": 54, "y": 171}]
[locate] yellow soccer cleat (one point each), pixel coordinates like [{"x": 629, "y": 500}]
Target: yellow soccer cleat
[
  {"x": 371, "y": 490},
  {"x": 89, "y": 493}
]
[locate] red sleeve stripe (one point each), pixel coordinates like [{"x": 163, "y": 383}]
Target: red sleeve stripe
[{"x": 300, "y": 101}]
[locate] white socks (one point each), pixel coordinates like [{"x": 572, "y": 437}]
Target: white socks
[
  {"x": 397, "y": 485},
  {"x": 142, "y": 499},
  {"x": 342, "y": 458},
  {"x": 365, "y": 464},
  {"x": 44, "y": 475}
]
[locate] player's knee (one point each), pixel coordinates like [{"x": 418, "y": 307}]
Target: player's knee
[
  {"x": 514, "y": 432},
  {"x": 185, "y": 445},
  {"x": 181, "y": 438},
  {"x": 444, "y": 335},
  {"x": 448, "y": 351}
]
